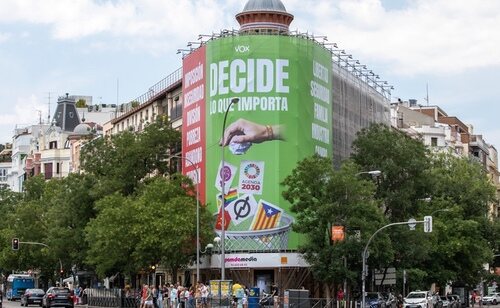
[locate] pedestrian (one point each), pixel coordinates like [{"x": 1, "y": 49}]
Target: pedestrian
[
  {"x": 191, "y": 297},
  {"x": 159, "y": 297},
  {"x": 173, "y": 296},
  {"x": 144, "y": 295},
  {"x": 154, "y": 293},
  {"x": 275, "y": 293},
  {"x": 79, "y": 294},
  {"x": 204, "y": 295},
  {"x": 180, "y": 297},
  {"x": 473, "y": 298},
  {"x": 340, "y": 297},
  {"x": 149, "y": 298}
]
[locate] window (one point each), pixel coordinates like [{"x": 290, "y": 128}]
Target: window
[
  {"x": 3, "y": 175},
  {"x": 58, "y": 167},
  {"x": 48, "y": 171},
  {"x": 434, "y": 141},
  {"x": 176, "y": 110},
  {"x": 53, "y": 145}
]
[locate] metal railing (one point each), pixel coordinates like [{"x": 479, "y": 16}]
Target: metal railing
[
  {"x": 153, "y": 91},
  {"x": 117, "y": 298}
]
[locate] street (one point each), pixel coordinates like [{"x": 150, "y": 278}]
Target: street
[{"x": 15, "y": 304}]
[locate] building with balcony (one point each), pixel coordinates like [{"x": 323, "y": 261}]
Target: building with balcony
[
  {"x": 441, "y": 132},
  {"x": 5, "y": 164},
  {"x": 46, "y": 148}
]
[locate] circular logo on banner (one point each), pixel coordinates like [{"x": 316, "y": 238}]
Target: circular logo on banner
[
  {"x": 242, "y": 208},
  {"x": 225, "y": 173},
  {"x": 252, "y": 171}
]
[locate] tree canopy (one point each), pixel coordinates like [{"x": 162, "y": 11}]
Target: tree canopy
[
  {"x": 414, "y": 182},
  {"x": 126, "y": 202}
]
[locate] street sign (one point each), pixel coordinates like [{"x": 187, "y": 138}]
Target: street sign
[
  {"x": 427, "y": 224},
  {"x": 389, "y": 279},
  {"x": 412, "y": 222}
]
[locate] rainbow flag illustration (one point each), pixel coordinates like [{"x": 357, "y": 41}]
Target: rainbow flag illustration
[
  {"x": 267, "y": 217},
  {"x": 231, "y": 196}
]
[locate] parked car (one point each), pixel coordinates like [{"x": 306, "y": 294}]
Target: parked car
[
  {"x": 390, "y": 300},
  {"x": 493, "y": 299},
  {"x": 418, "y": 299},
  {"x": 58, "y": 296},
  {"x": 374, "y": 300},
  {"x": 32, "y": 296}
]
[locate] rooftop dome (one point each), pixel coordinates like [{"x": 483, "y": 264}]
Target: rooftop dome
[
  {"x": 264, "y": 17},
  {"x": 264, "y": 5},
  {"x": 83, "y": 129}
]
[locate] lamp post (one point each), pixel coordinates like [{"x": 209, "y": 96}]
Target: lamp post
[
  {"x": 364, "y": 255},
  {"x": 222, "y": 174},
  {"x": 440, "y": 210},
  {"x": 197, "y": 214},
  {"x": 373, "y": 173}
]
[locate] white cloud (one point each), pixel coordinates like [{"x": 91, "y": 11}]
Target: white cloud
[
  {"x": 26, "y": 110},
  {"x": 174, "y": 21},
  {"x": 432, "y": 36}
]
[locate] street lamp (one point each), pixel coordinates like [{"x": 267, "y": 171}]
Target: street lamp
[
  {"x": 440, "y": 210},
  {"x": 222, "y": 174},
  {"x": 197, "y": 213},
  {"x": 364, "y": 255},
  {"x": 373, "y": 173}
]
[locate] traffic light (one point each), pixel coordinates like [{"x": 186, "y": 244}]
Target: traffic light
[
  {"x": 427, "y": 224},
  {"x": 15, "y": 244}
]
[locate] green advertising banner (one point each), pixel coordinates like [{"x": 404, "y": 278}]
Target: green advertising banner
[{"x": 283, "y": 114}]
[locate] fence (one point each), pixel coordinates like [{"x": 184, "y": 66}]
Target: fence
[{"x": 116, "y": 298}]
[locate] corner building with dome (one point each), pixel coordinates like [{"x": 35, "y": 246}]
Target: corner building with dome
[{"x": 279, "y": 97}]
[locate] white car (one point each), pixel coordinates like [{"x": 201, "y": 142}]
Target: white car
[
  {"x": 493, "y": 298},
  {"x": 418, "y": 299}
]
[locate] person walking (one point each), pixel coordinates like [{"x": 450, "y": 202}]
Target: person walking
[
  {"x": 473, "y": 298},
  {"x": 173, "y": 296},
  {"x": 148, "y": 297},
  {"x": 154, "y": 293},
  {"x": 159, "y": 297},
  {"x": 204, "y": 295}
]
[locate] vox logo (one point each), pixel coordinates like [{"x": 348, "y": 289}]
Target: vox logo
[{"x": 242, "y": 48}]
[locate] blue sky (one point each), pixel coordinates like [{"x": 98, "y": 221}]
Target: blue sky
[{"x": 87, "y": 47}]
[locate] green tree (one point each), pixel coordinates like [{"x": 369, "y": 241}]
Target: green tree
[
  {"x": 321, "y": 197},
  {"x": 464, "y": 237},
  {"x": 110, "y": 237},
  {"x": 81, "y": 103},
  {"x": 160, "y": 228},
  {"x": 121, "y": 162},
  {"x": 402, "y": 188},
  {"x": 404, "y": 163},
  {"x": 69, "y": 207},
  {"x": 25, "y": 220}
]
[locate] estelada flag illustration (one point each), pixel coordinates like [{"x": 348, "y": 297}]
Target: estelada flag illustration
[
  {"x": 227, "y": 220},
  {"x": 267, "y": 217}
]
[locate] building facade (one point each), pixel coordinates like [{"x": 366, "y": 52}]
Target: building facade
[{"x": 309, "y": 96}]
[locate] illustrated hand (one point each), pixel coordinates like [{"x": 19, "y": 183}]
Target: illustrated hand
[{"x": 242, "y": 131}]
